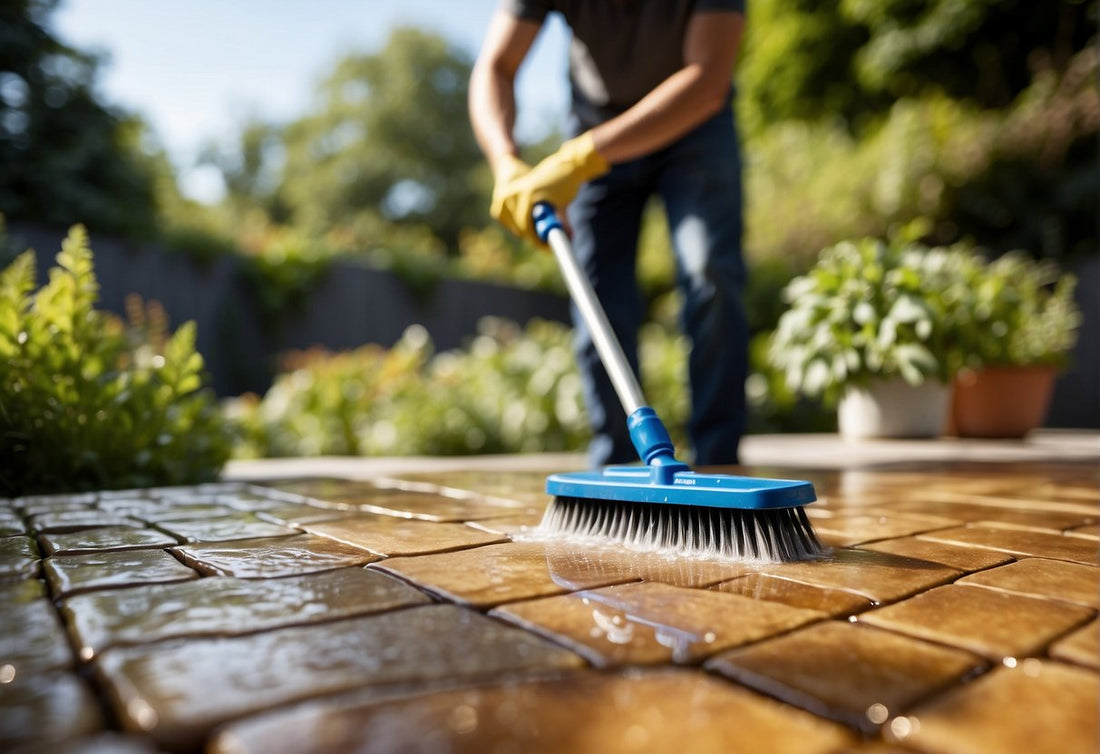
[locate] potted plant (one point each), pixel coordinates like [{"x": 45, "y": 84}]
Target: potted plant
[
  {"x": 1022, "y": 326},
  {"x": 872, "y": 326}
]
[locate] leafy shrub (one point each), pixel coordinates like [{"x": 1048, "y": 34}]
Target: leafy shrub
[
  {"x": 870, "y": 309},
  {"x": 90, "y": 402},
  {"x": 510, "y": 390}
]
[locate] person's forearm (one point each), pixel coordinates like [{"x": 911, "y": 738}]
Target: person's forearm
[
  {"x": 682, "y": 101},
  {"x": 492, "y": 105}
]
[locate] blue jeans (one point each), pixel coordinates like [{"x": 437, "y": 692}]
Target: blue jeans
[{"x": 699, "y": 180}]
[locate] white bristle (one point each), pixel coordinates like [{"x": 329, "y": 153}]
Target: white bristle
[{"x": 771, "y": 535}]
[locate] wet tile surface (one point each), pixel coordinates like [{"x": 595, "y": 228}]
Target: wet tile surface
[
  {"x": 1061, "y": 704},
  {"x": 643, "y": 623},
  {"x": 67, "y": 574},
  {"x": 988, "y": 622},
  {"x": 852, "y": 673},
  {"x": 176, "y": 691},
  {"x": 108, "y": 538},
  {"x": 273, "y": 557},
  {"x": 307, "y": 617},
  {"x": 223, "y": 606},
  {"x": 1056, "y": 579},
  {"x": 652, "y": 712},
  {"x": 388, "y": 535}
]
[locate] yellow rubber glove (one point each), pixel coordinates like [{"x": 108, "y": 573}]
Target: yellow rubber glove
[
  {"x": 556, "y": 180},
  {"x": 508, "y": 168}
]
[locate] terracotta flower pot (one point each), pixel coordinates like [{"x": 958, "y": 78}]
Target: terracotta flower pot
[{"x": 1001, "y": 402}]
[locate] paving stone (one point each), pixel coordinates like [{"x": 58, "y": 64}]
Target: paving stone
[
  {"x": 651, "y": 623},
  {"x": 177, "y": 690},
  {"x": 293, "y": 514},
  {"x": 843, "y": 530},
  {"x": 224, "y": 606},
  {"x": 1055, "y": 579},
  {"x": 1091, "y": 531},
  {"x": 68, "y": 574},
  {"x": 991, "y": 623},
  {"x": 11, "y": 524},
  {"x": 389, "y": 535},
  {"x": 1020, "y": 542},
  {"x": 32, "y": 639},
  {"x": 44, "y": 709},
  {"x": 831, "y": 602},
  {"x": 648, "y": 712},
  {"x": 154, "y": 511},
  {"x": 224, "y": 529},
  {"x": 1081, "y": 647},
  {"x": 67, "y": 521},
  {"x": 61, "y": 504},
  {"x": 1036, "y": 706},
  {"x": 968, "y": 512},
  {"x": 523, "y": 488},
  {"x": 109, "y": 538},
  {"x": 18, "y": 558},
  {"x": 495, "y": 574},
  {"x": 433, "y": 507},
  {"x": 273, "y": 557},
  {"x": 966, "y": 559},
  {"x": 515, "y": 526},
  {"x": 854, "y": 674},
  {"x": 880, "y": 576}
]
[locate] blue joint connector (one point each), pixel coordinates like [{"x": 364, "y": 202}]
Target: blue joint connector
[
  {"x": 653, "y": 444},
  {"x": 546, "y": 219}
]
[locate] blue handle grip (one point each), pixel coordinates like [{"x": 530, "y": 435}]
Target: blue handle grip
[{"x": 546, "y": 219}]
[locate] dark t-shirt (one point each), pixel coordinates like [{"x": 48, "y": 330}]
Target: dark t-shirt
[{"x": 621, "y": 49}]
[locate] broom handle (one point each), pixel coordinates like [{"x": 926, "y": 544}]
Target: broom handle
[{"x": 607, "y": 345}]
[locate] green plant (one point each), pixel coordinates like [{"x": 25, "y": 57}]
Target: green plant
[
  {"x": 871, "y": 309},
  {"x": 90, "y": 402},
  {"x": 1022, "y": 314}
]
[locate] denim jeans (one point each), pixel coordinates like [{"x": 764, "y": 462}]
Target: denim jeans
[{"x": 698, "y": 178}]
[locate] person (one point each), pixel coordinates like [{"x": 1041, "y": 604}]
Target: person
[{"x": 651, "y": 114}]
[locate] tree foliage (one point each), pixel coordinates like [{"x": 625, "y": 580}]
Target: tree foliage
[{"x": 64, "y": 156}]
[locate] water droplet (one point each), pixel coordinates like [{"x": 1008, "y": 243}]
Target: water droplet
[
  {"x": 877, "y": 713},
  {"x": 463, "y": 720},
  {"x": 1009, "y": 662},
  {"x": 7, "y": 673}
]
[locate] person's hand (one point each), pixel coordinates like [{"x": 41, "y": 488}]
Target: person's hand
[
  {"x": 555, "y": 180},
  {"x": 507, "y": 168}
]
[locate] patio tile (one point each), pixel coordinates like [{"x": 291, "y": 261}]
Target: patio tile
[
  {"x": 522, "y": 488},
  {"x": 1090, "y": 531},
  {"x": 223, "y": 529},
  {"x": 495, "y": 574},
  {"x": 176, "y": 691},
  {"x": 18, "y": 558},
  {"x": 11, "y": 523},
  {"x": 880, "y": 576},
  {"x": 433, "y": 507},
  {"x": 516, "y": 525},
  {"x": 1036, "y": 706},
  {"x": 1055, "y": 579},
  {"x": 68, "y": 574},
  {"x": 966, "y": 559},
  {"x": 1081, "y": 647},
  {"x": 66, "y": 521},
  {"x": 109, "y": 538},
  {"x": 831, "y": 602},
  {"x": 389, "y": 535},
  {"x": 291, "y": 513},
  {"x": 224, "y": 606},
  {"x": 846, "y": 529},
  {"x": 273, "y": 557},
  {"x": 45, "y": 709},
  {"x": 1020, "y": 542},
  {"x": 991, "y": 623},
  {"x": 654, "y": 712},
  {"x": 153, "y": 510},
  {"x": 857, "y": 675},
  {"x": 649, "y": 622},
  {"x": 968, "y": 512},
  {"x": 32, "y": 639}
]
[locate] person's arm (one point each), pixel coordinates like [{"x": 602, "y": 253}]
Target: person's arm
[
  {"x": 683, "y": 100},
  {"x": 492, "y": 99}
]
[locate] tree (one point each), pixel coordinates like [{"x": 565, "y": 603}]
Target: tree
[
  {"x": 806, "y": 59},
  {"x": 390, "y": 142},
  {"x": 64, "y": 156}
]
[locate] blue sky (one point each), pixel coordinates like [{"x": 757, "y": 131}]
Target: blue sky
[{"x": 196, "y": 69}]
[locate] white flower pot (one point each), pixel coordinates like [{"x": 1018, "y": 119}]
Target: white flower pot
[{"x": 893, "y": 408}]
